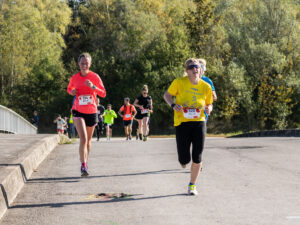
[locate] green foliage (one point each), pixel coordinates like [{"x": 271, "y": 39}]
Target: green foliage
[
  {"x": 32, "y": 73},
  {"x": 263, "y": 44},
  {"x": 252, "y": 50},
  {"x": 132, "y": 43},
  {"x": 200, "y": 21}
]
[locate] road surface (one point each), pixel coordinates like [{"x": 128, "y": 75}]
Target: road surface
[{"x": 245, "y": 181}]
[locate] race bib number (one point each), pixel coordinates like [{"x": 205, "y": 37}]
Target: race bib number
[
  {"x": 191, "y": 113},
  {"x": 85, "y": 99},
  {"x": 144, "y": 111},
  {"x": 127, "y": 115}
]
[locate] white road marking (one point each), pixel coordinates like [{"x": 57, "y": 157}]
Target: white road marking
[{"x": 293, "y": 217}]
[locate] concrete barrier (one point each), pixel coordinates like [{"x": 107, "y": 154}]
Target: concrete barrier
[
  {"x": 271, "y": 133},
  {"x": 14, "y": 175}
]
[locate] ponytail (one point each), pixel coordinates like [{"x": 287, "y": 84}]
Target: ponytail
[{"x": 145, "y": 88}]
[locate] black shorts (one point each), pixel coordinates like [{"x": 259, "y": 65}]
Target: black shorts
[
  {"x": 127, "y": 123},
  {"x": 190, "y": 133},
  {"x": 90, "y": 119},
  {"x": 140, "y": 116}
]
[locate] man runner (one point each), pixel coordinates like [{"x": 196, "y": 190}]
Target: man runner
[{"x": 127, "y": 111}]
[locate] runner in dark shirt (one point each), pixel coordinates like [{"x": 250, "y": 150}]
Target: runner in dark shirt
[
  {"x": 143, "y": 104},
  {"x": 100, "y": 125}
]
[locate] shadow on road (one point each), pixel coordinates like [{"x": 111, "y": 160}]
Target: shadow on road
[
  {"x": 76, "y": 179},
  {"x": 62, "y": 204}
]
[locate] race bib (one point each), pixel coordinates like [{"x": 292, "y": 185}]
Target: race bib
[
  {"x": 127, "y": 115},
  {"x": 144, "y": 111},
  {"x": 191, "y": 113},
  {"x": 85, "y": 99}
]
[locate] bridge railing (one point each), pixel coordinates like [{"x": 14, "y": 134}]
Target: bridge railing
[{"x": 12, "y": 122}]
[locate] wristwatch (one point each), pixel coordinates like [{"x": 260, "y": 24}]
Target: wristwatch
[{"x": 172, "y": 105}]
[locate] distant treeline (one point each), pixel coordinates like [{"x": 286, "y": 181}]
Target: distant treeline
[{"x": 252, "y": 50}]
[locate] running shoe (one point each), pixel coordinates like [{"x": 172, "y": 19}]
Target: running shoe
[
  {"x": 192, "y": 190},
  {"x": 130, "y": 137},
  {"x": 127, "y": 138},
  {"x": 141, "y": 136},
  {"x": 145, "y": 138},
  {"x": 137, "y": 137},
  {"x": 84, "y": 172}
]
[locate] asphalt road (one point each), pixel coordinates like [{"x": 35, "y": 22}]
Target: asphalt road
[{"x": 245, "y": 181}]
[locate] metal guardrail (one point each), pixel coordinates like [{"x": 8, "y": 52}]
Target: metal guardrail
[{"x": 12, "y": 122}]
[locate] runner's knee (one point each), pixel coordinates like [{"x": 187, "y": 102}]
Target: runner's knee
[
  {"x": 84, "y": 140},
  {"x": 197, "y": 159},
  {"x": 184, "y": 159}
]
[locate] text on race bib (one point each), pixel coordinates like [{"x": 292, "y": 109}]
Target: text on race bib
[
  {"x": 144, "y": 111},
  {"x": 85, "y": 99},
  {"x": 127, "y": 115},
  {"x": 191, "y": 113}
]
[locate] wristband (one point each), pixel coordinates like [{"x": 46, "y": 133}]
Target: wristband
[
  {"x": 94, "y": 87},
  {"x": 172, "y": 105}
]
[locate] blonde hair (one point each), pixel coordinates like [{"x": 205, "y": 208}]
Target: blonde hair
[
  {"x": 145, "y": 88},
  {"x": 85, "y": 55},
  {"x": 187, "y": 63},
  {"x": 202, "y": 61}
]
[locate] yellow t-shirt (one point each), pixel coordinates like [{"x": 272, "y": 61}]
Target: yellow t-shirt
[{"x": 192, "y": 97}]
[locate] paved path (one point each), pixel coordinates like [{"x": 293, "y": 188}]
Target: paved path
[{"x": 245, "y": 181}]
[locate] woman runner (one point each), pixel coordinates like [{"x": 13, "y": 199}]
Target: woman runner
[
  {"x": 143, "y": 104},
  {"x": 85, "y": 85},
  {"x": 61, "y": 123},
  {"x": 193, "y": 97}
]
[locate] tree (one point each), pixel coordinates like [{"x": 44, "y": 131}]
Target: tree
[
  {"x": 262, "y": 39},
  {"x": 200, "y": 22},
  {"x": 31, "y": 43},
  {"x": 132, "y": 43}
]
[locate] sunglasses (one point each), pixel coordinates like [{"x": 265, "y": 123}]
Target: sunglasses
[{"x": 190, "y": 67}]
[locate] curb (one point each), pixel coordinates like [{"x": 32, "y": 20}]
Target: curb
[
  {"x": 17, "y": 173},
  {"x": 271, "y": 133}
]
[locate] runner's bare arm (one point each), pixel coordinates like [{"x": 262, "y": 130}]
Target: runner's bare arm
[
  {"x": 120, "y": 113},
  {"x": 214, "y": 96},
  {"x": 134, "y": 113},
  {"x": 151, "y": 105},
  {"x": 208, "y": 109},
  {"x": 137, "y": 105},
  {"x": 168, "y": 99}
]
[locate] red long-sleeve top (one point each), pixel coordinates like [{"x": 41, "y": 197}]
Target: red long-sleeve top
[{"x": 86, "y": 97}]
